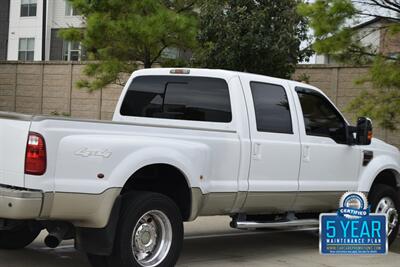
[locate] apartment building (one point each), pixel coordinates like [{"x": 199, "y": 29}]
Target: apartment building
[
  {"x": 29, "y": 32},
  {"x": 373, "y": 34},
  {"x": 32, "y": 26}
]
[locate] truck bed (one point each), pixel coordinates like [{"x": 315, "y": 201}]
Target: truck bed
[{"x": 79, "y": 150}]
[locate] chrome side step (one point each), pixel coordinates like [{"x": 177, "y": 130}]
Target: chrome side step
[{"x": 274, "y": 224}]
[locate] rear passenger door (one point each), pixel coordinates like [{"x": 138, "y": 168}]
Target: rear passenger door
[{"x": 275, "y": 157}]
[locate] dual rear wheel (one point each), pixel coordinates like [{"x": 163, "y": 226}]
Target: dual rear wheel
[{"x": 149, "y": 234}]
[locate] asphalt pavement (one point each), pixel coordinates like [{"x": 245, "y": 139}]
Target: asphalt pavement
[{"x": 210, "y": 242}]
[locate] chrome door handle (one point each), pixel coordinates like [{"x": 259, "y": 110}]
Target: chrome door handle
[
  {"x": 257, "y": 151},
  {"x": 306, "y": 154}
]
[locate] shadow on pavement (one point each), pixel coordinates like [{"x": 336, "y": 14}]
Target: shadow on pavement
[{"x": 235, "y": 249}]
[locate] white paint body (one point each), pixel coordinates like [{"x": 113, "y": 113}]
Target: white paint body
[{"x": 230, "y": 157}]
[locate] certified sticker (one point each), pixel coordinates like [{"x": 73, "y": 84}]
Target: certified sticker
[{"x": 353, "y": 230}]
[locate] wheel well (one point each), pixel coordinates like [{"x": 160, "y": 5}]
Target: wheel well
[
  {"x": 387, "y": 177},
  {"x": 164, "y": 179}
]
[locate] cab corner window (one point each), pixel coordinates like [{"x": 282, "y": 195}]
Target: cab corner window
[
  {"x": 321, "y": 118},
  {"x": 272, "y": 108},
  {"x": 179, "y": 98}
]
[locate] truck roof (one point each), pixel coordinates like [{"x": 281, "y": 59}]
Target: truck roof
[{"x": 227, "y": 74}]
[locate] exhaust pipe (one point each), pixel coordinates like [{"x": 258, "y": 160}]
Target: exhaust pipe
[{"x": 54, "y": 238}]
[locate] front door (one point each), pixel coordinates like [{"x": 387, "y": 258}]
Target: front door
[{"x": 329, "y": 167}]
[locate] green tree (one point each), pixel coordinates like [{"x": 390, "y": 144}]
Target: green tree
[
  {"x": 333, "y": 21},
  {"x": 119, "y": 33},
  {"x": 261, "y": 36}
]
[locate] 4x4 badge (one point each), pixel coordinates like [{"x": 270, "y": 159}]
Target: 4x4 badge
[{"x": 86, "y": 152}]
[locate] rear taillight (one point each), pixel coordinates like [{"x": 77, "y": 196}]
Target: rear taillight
[{"x": 35, "y": 158}]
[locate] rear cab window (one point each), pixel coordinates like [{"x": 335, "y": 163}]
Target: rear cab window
[{"x": 188, "y": 98}]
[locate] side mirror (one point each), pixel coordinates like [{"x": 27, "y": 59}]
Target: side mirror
[{"x": 364, "y": 131}]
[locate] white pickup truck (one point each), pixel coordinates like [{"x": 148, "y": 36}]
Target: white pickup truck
[{"x": 186, "y": 143}]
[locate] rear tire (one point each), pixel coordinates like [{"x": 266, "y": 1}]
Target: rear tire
[
  {"x": 149, "y": 233},
  {"x": 385, "y": 199},
  {"x": 19, "y": 237}
]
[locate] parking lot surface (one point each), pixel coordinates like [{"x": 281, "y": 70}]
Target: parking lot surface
[{"x": 210, "y": 242}]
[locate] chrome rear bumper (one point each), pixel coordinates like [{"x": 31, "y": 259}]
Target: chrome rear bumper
[
  {"x": 81, "y": 209},
  {"x": 20, "y": 204}
]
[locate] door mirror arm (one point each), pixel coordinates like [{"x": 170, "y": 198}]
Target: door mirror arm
[{"x": 350, "y": 131}]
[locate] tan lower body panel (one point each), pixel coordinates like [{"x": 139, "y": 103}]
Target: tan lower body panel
[
  {"x": 281, "y": 202},
  {"x": 268, "y": 202},
  {"x": 317, "y": 201},
  {"x": 82, "y": 210},
  {"x": 262, "y": 202},
  {"x": 214, "y": 203},
  {"x": 93, "y": 210},
  {"x": 217, "y": 204}
]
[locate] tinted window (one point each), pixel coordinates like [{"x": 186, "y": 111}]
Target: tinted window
[
  {"x": 181, "y": 98},
  {"x": 320, "y": 117},
  {"x": 272, "y": 108}
]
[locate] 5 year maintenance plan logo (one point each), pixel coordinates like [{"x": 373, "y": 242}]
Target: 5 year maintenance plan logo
[{"x": 353, "y": 230}]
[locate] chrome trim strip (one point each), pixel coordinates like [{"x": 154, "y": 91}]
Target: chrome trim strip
[{"x": 255, "y": 224}]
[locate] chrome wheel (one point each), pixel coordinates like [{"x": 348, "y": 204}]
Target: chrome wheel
[
  {"x": 152, "y": 238},
  {"x": 387, "y": 206}
]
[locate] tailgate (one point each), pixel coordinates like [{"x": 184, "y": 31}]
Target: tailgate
[{"x": 14, "y": 130}]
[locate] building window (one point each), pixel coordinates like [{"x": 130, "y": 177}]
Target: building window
[
  {"x": 69, "y": 10},
  {"x": 28, "y": 8},
  {"x": 26, "y": 49},
  {"x": 71, "y": 51}
]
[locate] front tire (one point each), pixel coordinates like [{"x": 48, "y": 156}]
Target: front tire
[
  {"x": 19, "y": 237},
  {"x": 385, "y": 199},
  {"x": 150, "y": 232}
]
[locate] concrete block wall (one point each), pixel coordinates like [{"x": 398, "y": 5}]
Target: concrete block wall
[
  {"x": 57, "y": 86},
  {"x": 8, "y": 81},
  {"x": 50, "y": 88}
]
